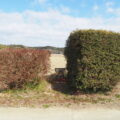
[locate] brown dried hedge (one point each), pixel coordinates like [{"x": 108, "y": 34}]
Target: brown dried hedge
[{"x": 21, "y": 66}]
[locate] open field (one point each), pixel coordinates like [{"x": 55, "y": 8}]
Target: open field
[{"x": 57, "y": 61}]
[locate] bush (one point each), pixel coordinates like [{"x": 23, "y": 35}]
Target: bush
[
  {"x": 93, "y": 59},
  {"x": 21, "y": 66}
]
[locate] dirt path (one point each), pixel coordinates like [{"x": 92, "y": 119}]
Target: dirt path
[{"x": 58, "y": 114}]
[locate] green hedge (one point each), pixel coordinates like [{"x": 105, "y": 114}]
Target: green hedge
[{"x": 93, "y": 59}]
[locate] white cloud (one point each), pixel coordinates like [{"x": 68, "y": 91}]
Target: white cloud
[
  {"x": 64, "y": 9},
  {"x": 46, "y": 5},
  {"x": 42, "y": 1},
  {"x": 47, "y": 28},
  {"x": 110, "y": 10},
  {"x": 115, "y": 11},
  {"x": 95, "y": 7},
  {"x": 109, "y": 3}
]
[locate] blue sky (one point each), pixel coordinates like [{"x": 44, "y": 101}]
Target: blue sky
[
  {"x": 49, "y": 22},
  {"x": 77, "y": 8}
]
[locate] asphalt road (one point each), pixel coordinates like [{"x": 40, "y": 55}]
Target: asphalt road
[{"x": 58, "y": 114}]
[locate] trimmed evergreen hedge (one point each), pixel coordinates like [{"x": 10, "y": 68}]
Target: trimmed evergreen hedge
[{"x": 93, "y": 59}]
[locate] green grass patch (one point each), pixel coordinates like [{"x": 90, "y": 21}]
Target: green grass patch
[
  {"x": 117, "y": 96},
  {"x": 46, "y": 106}
]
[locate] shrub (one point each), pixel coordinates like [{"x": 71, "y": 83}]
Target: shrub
[
  {"x": 93, "y": 59},
  {"x": 21, "y": 66}
]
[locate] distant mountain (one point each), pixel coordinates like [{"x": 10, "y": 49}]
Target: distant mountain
[
  {"x": 17, "y": 46},
  {"x": 54, "y": 50},
  {"x": 3, "y": 46},
  {"x": 11, "y": 46}
]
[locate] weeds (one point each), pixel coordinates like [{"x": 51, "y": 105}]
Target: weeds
[
  {"x": 117, "y": 96},
  {"x": 46, "y": 106}
]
